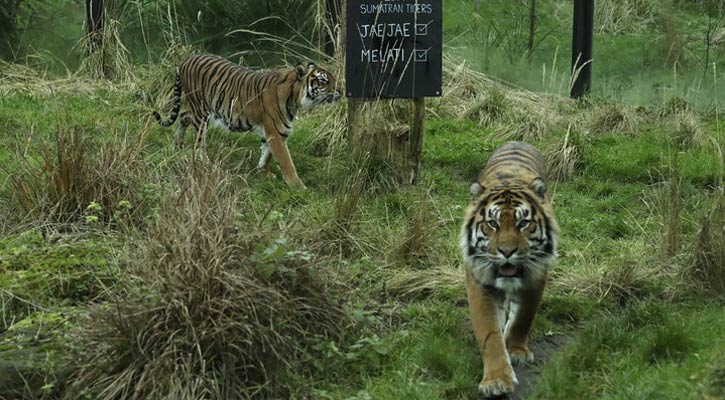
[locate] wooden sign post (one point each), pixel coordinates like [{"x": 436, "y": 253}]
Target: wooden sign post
[{"x": 393, "y": 50}]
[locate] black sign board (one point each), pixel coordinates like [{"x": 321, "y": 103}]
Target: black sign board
[{"x": 393, "y": 48}]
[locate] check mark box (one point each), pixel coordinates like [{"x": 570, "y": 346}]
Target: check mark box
[
  {"x": 421, "y": 29},
  {"x": 421, "y": 55}
]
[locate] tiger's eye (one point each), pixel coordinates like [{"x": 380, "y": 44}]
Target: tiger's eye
[
  {"x": 492, "y": 224},
  {"x": 523, "y": 224}
]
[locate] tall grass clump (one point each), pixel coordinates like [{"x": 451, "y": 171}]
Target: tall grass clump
[
  {"x": 338, "y": 230},
  {"x": 109, "y": 60},
  {"x": 708, "y": 269},
  {"x": 625, "y": 16},
  {"x": 671, "y": 206},
  {"x": 69, "y": 178},
  {"x": 516, "y": 114},
  {"x": 614, "y": 118},
  {"x": 218, "y": 306},
  {"x": 156, "y": 81},
  {"x": 562, "y": 160},
  {"x": 688, "y": 131},
  {"x": 416, "y": 244}
]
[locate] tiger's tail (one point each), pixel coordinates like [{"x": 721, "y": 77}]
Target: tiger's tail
[{"x": 177, "y": 104}]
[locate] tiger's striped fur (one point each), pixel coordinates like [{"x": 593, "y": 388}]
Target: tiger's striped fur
[
  {"x": 508, "y": 241},
  {"x": 240, "y": 99}
]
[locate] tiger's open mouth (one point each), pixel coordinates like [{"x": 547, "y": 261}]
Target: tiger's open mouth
[{"x": 510, "y": 271}]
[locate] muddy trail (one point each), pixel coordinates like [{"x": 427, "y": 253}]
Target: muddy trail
[{"x": 528, "y": 375}]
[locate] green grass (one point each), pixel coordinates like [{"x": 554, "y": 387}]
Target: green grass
[
  {"x": 38, "y": 273},
  {"x": 639, "y": 328},
  {"x": 646, "y": 351},
  {"x": 421, "y": 346}
]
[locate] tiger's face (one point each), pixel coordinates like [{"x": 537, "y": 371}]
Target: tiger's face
[
  {"x": 506, "y": 240},
  {"x": 319, "y": 86}
]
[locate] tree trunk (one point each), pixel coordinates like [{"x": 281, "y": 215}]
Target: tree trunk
[
  {"x": 414, "y": 154},
  {"x": 8, "y": 27},
  {"x": 532, "y": 26},
  {"x": 581, "y": 54},
  {"x": 94, "y": 24}
]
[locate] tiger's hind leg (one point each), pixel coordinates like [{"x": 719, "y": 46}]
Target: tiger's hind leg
[
  {"x": 184, "y": 122},
  {"x": 201, "y": 128},
  {"x": 264, "y": 157}
]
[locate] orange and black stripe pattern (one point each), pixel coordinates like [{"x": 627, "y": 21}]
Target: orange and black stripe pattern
[
  {"x": 509, "y": 228},
  {"x": 239, "y": 97},
  {"x": 177, "y": 104}
]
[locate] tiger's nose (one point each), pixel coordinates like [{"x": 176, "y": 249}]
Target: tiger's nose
[{"x": 507, "y": 251}]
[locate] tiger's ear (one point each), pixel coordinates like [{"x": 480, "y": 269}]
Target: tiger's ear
[
  {"x": 301, "y": 71},
  {"x": 311, "y": 65},
  {"x": 538, "y": 186},
  {"x": 476, "y": 190}
]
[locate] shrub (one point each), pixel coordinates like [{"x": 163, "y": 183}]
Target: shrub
[
  {"x": 218, "y": 307},
  {"x": 60, "y": 182}
]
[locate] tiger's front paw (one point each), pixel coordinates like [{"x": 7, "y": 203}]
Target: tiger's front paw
[
  {"x": 520, "y": 355},
  {"x": 497, "y": 384}
]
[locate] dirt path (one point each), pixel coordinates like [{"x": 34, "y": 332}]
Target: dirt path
[{"x": 528, "y": 375}]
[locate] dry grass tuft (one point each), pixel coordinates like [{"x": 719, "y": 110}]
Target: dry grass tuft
[
  {"x": 330, "y": 136},
  {"x": 487, "y": 109},
  {"x": 418, "y": 284},
  {"x": 19, "y": 78},
  {"x": 628, "y": 276},
  {"x": 625, "y": 280},
  {"x": 219, "y": 307},
  {"x": 71, "y": 179},
  {"x": 675, "y": 105},
  {"x": 614, "y": 118},
  {"x": 621, "y": 281},
  {"x": 562, "y": 160},
  {"x": 624, "y": 16},
  {"x": 416, "y": 246},
  {"x": 688, "y": 132},
  {"x": 516, "y": 113},
  {"x": 337, "y": 233},
  {"x": 708, "y": 269}
]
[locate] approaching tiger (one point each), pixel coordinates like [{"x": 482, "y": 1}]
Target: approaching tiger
[
  {"x": 508, "y": 239},
  {"x": 240, "y": 99}
]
